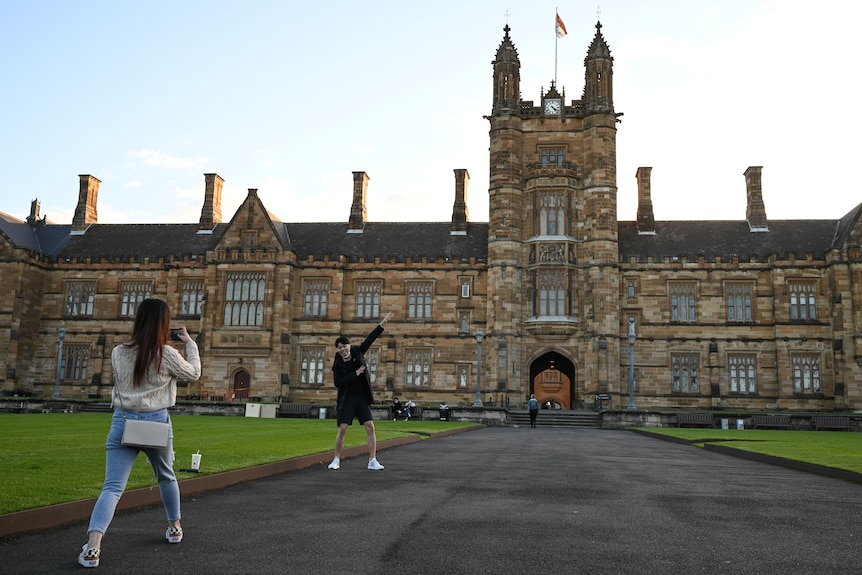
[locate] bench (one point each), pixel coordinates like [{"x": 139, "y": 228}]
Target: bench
[
  {"x": 695, "y": 420},
  {"x": 831, "y": 422},
  {"x": 95, "y": 407},
  {"x": 294, "y": 410},
  {"x": 57, "y": 409},
  {"x": 770, "y": 421}
]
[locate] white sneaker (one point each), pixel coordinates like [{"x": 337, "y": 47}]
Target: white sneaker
[
  {"x": 174, "y": 534},
  {"x": 373, "y": 464},
  {"x": 89, "y": 557},
  {"x": 336, "y": 464}
]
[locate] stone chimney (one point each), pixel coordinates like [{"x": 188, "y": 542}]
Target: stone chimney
[
  {"x": 35, "y": 206},
  {"x": 459, "y": 210},
  {"x": 211, "y": 212},
  {"x": 358, "y": 214},
  {"x": 646, "y": 219},
  {"x": 755, "y": 212},
  {"x": 85, "y": 211}
]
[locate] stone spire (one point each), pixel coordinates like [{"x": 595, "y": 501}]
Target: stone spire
[{"x": 507, "y": 77}]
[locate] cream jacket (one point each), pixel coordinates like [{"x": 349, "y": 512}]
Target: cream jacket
[{"x": 157, "y": 390}]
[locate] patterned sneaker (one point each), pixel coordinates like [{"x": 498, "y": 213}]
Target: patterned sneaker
[
  {"x": 374, "y": 465},
  {"x": 336, "y": 464},
  {"x": 174, "y": 534},
  {"x": 89, "y": 557}
]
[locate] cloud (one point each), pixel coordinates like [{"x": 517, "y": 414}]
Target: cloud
[{"x": 160, "y": 160}]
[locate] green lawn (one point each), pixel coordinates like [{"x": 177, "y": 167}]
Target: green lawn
[
  {"x": 56, "y": 458},
  {"x": 836, "y": 449}
]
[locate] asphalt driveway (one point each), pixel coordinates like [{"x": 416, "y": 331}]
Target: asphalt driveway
[{"x": 496, "y": 500}]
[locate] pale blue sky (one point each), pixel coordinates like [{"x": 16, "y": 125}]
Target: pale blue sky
[{"x": 292, "y": 97}]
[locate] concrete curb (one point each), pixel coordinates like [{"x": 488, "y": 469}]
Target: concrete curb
[{"x": 64, "y": 513}]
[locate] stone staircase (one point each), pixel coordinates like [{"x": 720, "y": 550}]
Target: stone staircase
[{"x": 556, "y": 418}]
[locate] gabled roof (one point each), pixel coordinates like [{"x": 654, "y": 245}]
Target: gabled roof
[
  {"x": 253, "y": 201},
  {"x": 387, "y": 239},
  {"x": 726, "y": 239}
]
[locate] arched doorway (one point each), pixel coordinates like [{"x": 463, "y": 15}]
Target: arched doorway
[
  {"x": 241, "y": 384},
  {"x": 552, "y": 380}
]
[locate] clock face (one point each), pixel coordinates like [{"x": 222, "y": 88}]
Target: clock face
[{"x": 552, "y": 106}]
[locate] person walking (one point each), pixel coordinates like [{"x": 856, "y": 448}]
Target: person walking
[
  {"x": 146, "y": 369},
  {"x": 354, "y": 393},
  {"x": 533, "y": 406}
]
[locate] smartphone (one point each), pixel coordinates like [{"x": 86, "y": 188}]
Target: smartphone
[{"x": 175, "y": 333}]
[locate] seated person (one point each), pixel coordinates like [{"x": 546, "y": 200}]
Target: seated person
[
  {"x": 408, "y": 409},
  {"x": 396, "y": 408}
]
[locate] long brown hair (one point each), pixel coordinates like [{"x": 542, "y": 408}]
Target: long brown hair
[{"x": 150, "y": 333}]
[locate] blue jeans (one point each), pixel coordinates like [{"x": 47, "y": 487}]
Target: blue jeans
[{"x": 119, "y": 461}]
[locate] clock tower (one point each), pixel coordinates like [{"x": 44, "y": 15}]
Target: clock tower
[{"x": 553, "y": 273}]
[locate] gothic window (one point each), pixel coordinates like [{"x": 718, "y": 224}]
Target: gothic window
[
  {"x": 80, "y": 297},
  {"x": 419, "y": 300},
  {"x": 743, "y": 373},
  {"x": 418, "y": 367},
  {"x": 244, "y": 299},
  {"x": 368, "y": 299},
  {"x": 682, "y": 302},
  {"x": 191, "y": 297},
  {"x": 553, "y": 158},
  {"x": 806, "y": 373},
  {"x": 502, "y": 359},
  {"x": 739, "y": 296},
  {"x": 133, "y": 293},
  {"x": 684, "y": 369},
  {"x": 552, "y": 214},
  {"x": 465, "y": 323},
  {"x": 551, "y": 288},
  {"x": 311, "y": 365},
  {"x": 630, "y": 289},
  {"x": 316, "y": 297},
  {"x": 75, "y": 359},
  {"x": 371, "y": 361},
  {"x": 802, "y": 301}
]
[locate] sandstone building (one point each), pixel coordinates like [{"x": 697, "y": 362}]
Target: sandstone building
[{"x": 748, "y": 314}]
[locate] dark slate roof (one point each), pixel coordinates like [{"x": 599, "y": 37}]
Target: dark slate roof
[
  {"x": 384, "y": 240},
  {"x": 19, "y": 232},
  {"x": 40, "y": 237},
  {"x": 140, "y": 240},
  {"x": 726, "y": 239}
]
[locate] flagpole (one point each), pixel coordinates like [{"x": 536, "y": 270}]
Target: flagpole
[{"x": 556, "y": 41}]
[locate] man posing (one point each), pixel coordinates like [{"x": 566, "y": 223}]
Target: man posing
[{"x": 354, "y": 393}]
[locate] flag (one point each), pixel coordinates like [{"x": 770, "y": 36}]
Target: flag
[{"x": 561, "y": 28}]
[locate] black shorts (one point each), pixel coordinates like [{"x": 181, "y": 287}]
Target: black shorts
[{"x": 353, "y": 405}]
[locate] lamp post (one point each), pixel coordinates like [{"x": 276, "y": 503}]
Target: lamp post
[
  {"x": 62, "y": 335},
  {"x": 479, "y": 337},
  {"x": 632, "y": 338}
]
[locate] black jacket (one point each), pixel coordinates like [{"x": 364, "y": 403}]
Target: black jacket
[{"x": 345, "y": 371}]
